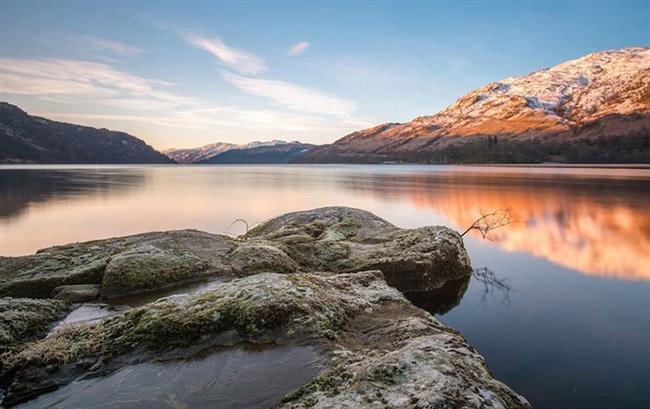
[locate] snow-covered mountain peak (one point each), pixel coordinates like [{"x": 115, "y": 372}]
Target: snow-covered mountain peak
[{"x": 598, "y": 84}]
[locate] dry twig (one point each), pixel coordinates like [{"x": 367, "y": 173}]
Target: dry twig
[
  {"x": 245, "y": 223},
  {"x": 490, "y": 221}
]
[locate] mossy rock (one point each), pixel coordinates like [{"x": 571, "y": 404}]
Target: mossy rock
[
  {"x": 25, "y": 319},
  {"x": 341, "y": 239},
  {"x": 182, "y": 255},
  {"x": 146, "y": 267}
]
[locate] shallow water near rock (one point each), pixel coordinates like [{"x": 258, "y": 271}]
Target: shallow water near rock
[
  {"x": 573, "y": 332},
  {"x": 86, "y": 313},
  {"x": 250, "y": 376},
  {"x": 136, "y": 300}
]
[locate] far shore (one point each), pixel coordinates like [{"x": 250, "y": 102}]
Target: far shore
[{"x": 549, "y": 165}]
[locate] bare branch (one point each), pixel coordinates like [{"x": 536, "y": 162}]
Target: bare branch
[{"x": 490, "y": 221}]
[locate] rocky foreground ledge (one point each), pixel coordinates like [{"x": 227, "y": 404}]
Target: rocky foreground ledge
[{"x": 331, "y": 278}]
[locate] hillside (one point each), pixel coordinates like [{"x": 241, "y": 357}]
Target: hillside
[
  {"x": 30, "y": 139},
  {"x": 277, "y": 153},
  {"x": 592, "y": 109}
]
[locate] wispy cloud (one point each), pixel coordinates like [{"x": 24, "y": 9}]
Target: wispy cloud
[
  {"x": 52, "y": 76},
  {"x": 239, "y": 60},
  {"x": 228, "y": 116},
  {"x": 100, "y": 94},
  {"x": 293, "y": 96},
  {"x": 299, "y": 48},
  {"x": 114, "y": 47},
  {"x": 92, "y": 46}
]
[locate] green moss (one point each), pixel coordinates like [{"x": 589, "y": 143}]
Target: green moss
[
  {"x": 162, "y": 325},
  {"x": 24, "y": 319},
  {"x": 146, "y": 268},
  {"x": 387, "y": 373}
]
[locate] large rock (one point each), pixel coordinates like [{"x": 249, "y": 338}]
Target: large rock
[
  {"x": 376, "y": 348},
  {"x": 122, "y": 265},
  {"x": 337, "y": 239},
  {"x": 343, "y": 239},
  {"x": 25, "y": 319}
]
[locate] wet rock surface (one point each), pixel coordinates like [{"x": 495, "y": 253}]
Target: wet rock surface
[
  {"x": 327, "y": 279},
  {"x": 245, "y": 376},
  {"x": 76, "y": 293},
  {"x": 374, "y": 345}
]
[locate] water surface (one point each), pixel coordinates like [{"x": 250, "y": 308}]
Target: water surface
[
  {"x": 248, "y": 377},
  {"x": 573, "y": 332}
]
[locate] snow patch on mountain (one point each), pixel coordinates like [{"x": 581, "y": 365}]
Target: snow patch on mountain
[
  {"x": 587, "y": 88},
  {"x": 192, "y": 155}
]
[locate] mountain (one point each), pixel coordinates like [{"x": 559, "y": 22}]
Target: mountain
[
  {"x": 276, "y": 153},
  {"x": 195, "y": 155},
  {"x": 191, "y": 155},
  {"x": 592, "y": 109},
  {"x": 31, "y": 139}
]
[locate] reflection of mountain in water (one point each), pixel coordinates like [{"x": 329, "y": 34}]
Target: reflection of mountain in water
[
  {"x": 440, "y": 300},
  {"x": 595, "y": 224},
  {"x": 21, "y": 188}
]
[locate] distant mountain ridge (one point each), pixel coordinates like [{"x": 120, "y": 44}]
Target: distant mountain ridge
[
  {"x": 30, "y": 139},
  {"x": 592, "y": 109},
  {"x": 274, "y": 151}
]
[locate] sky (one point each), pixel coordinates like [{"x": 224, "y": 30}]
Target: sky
[{"x": 185, "y": 74}]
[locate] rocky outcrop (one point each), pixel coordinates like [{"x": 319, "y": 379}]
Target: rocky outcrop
[
  {"x": 376, "y": 348},
  {"x": 334, "y": 239},
  {"x": 346, "y": 240},
  {"x": 331, "y": 280}
]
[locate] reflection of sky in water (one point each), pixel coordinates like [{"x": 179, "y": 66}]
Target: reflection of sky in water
[
  {"x": 574, "y": 334},
  {"x": 591, "y": 220}
]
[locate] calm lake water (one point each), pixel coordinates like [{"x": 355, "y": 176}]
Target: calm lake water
[{"x": 572, "y": 332}]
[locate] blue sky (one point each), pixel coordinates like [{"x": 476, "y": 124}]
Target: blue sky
[{"x": 181, "y": 74}]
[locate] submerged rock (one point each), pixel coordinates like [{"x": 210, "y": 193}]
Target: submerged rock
[
  {"x": 376, "y": 348},
  {"x": 337, "y": 239}
]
